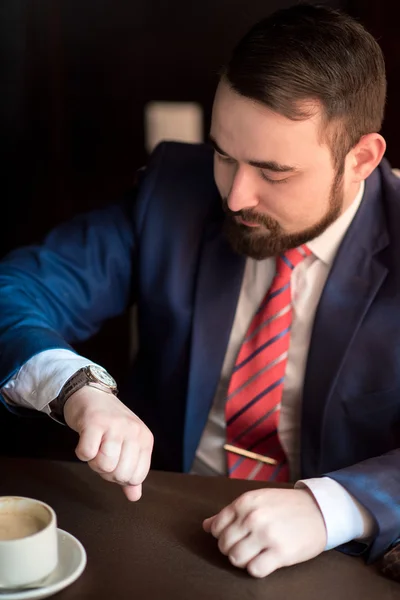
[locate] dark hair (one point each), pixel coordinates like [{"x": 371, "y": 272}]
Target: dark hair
[{"x": 309, "y": 53}]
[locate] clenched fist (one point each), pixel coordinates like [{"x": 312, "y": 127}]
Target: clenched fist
[
  {"x": 266, "y": 529},
  {"x": 112, "y": 439}
]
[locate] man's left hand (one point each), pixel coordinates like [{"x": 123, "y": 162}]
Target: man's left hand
[{"x": 267, "y": 529}]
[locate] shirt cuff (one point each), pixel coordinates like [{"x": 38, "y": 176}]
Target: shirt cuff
[
  {"x": 345, "y": 518},
  {"x": 40, "y": 379}
]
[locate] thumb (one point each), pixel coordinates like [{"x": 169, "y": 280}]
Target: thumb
[
  {"x": 207, "y": 524},
  {"x": 133, "y": 492}
]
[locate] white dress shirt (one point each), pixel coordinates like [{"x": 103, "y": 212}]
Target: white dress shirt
[
  {"x": 307, "y": 282},
  {"x": 40, "y": 380}
]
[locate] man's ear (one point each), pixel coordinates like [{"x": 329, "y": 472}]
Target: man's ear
[{"x": 367, "y": 155}]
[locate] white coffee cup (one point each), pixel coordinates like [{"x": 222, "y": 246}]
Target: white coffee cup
[{"x": 28, "y": 541}]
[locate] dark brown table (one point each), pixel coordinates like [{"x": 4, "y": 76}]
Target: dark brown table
[{"x": 156, "y": 548}]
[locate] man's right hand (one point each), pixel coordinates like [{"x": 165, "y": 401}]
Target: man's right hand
[{"x": 112, "y": 439}]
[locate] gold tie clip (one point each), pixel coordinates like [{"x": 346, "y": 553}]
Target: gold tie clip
[{"x": 248, "y": 454}]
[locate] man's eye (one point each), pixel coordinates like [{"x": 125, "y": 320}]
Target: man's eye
[
  {"x": 264, "y": 176},
  {"x": 225, "y": 159}
]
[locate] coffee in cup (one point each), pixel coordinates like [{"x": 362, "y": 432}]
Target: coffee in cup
[
  {"x": 28, "y": 541},
  {"x": 14, "y": 525}
]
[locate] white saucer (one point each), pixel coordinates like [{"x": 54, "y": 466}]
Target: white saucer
[{"x": 72, "y": 561}]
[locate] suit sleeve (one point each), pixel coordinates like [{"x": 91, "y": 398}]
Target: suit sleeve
[
  {"x": 375, "y": 483},
  {"x": 61, "y": 292}
]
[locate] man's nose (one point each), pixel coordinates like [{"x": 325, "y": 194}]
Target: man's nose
[{"x": 242, "y": 195}]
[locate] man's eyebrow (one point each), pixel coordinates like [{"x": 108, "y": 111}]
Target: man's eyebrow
[
  {"x": 268, "y": 165},
  {"x": 272, "y": 165},
  {"x": 215, "y": 146}
]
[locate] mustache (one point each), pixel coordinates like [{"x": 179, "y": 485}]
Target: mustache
[{"x": 252, "y": 217}]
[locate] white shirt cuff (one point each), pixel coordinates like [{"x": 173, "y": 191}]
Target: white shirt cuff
[
  {"x": 345, "y": 518},
  {"x": 40, "y": 379}
]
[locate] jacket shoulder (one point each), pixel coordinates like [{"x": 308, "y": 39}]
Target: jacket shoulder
[{"x": 178, "y": 180}]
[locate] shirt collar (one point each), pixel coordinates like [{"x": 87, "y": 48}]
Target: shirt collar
[{"x": 325, "y": 246}]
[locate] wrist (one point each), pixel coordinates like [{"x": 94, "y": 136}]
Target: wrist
[
  {"x": 318, "y": 514},
  {"x": 77, "y": 405},
  {"x": 343, "y": 518},
  {"x": 92, "y": 376}
]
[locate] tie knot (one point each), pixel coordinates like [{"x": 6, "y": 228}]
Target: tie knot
[{"x": 286, "y": 262}]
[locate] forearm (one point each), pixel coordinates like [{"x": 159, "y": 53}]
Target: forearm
[
  {"x": 62, "y": 291},
  {"x": 375, "y": 483},
  {"x": 345, "y": 518}
]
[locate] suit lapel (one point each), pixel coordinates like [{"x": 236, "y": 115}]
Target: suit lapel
[
  {"x": 352, "y": 285},
  {"x": 217, "y": 292}
]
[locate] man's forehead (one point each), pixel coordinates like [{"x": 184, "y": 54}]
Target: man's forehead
[
  {"x": 225, "y": 95},
  {"x": 250, "y": 131}
]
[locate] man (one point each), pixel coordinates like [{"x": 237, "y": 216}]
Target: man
[{"x": 272, "y": 325}]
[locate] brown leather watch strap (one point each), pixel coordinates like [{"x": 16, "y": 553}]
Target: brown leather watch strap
[{"x": 81, "y": 378}]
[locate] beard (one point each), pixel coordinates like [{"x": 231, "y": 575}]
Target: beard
[{"x": 272, "y": 239}]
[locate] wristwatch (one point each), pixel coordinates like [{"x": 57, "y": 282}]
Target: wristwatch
[{"x": 91, "y": 375}]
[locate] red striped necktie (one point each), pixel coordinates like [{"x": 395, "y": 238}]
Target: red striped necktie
[{"x": 255, "y": 390}]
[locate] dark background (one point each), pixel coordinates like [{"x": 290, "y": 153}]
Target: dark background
[{"x": 75, "y": 76}]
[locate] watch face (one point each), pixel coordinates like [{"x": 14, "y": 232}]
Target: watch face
[{"x": 102, "y": 376}]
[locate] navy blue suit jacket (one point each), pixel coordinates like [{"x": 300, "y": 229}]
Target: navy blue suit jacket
[{"x": 162, "y": 248}]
